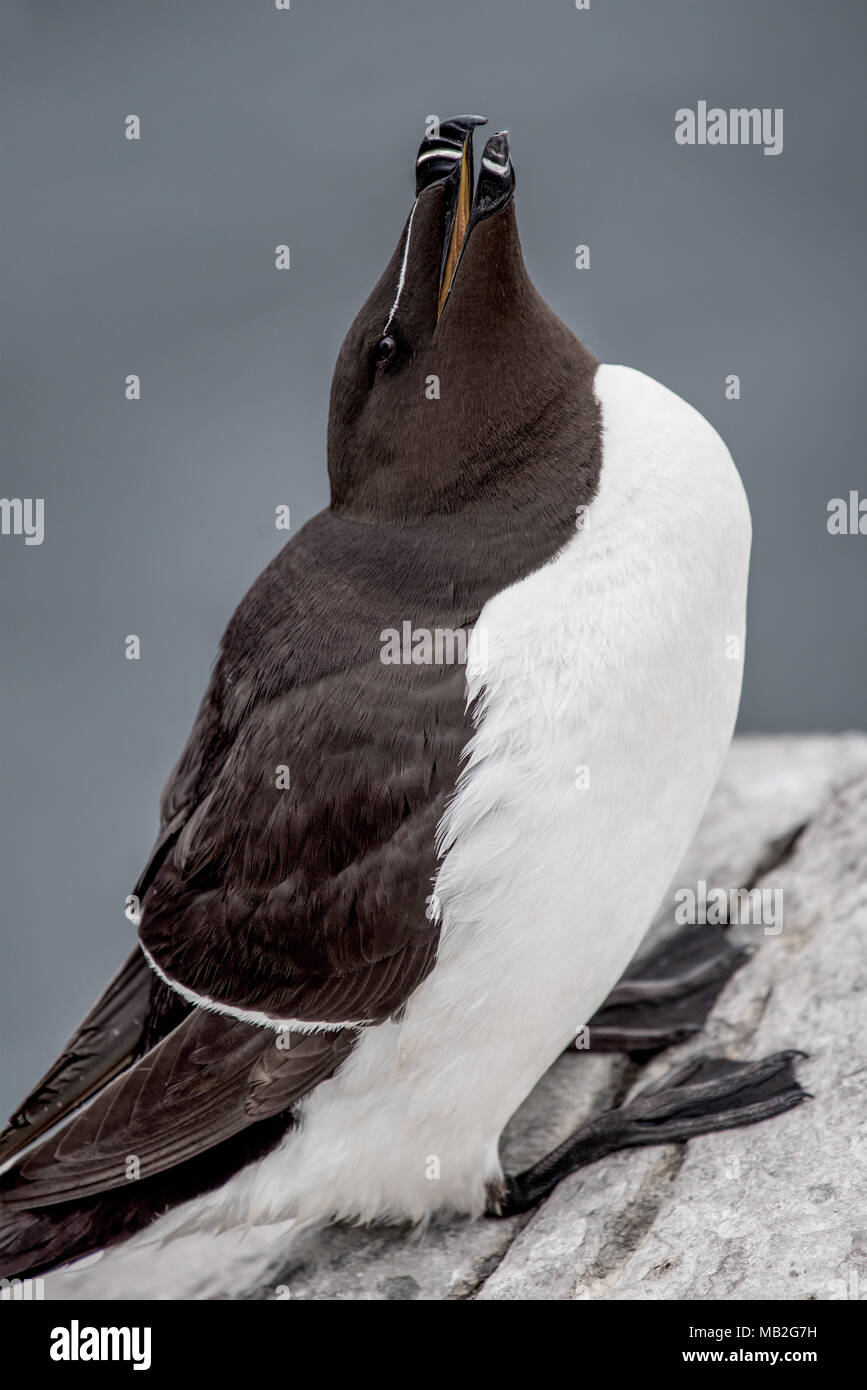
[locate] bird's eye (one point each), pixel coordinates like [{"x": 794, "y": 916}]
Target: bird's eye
[{"x": 384, "y": 348}]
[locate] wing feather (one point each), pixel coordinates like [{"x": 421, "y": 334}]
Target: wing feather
[
  {"x": 102, "y": 1045},
  {"x": 209, "y": 1079}
]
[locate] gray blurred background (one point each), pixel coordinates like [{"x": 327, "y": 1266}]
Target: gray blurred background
[{"x": 157, "y": 258}]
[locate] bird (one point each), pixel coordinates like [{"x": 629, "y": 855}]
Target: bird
[{"x": 392, "y": 883}]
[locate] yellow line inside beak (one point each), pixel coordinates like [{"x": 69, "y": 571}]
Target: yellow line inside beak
[{"x": 462, "y": 217}]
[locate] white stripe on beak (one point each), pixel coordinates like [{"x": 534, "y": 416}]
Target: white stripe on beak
[{"x": 438, "y": 154}]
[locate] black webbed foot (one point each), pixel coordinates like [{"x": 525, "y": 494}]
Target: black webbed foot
[
  {"x": 666, "y": 997},
  {"x": 702, "y": 1095}
]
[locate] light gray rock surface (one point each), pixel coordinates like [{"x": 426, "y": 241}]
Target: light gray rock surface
[{"x": 778, "y": 1210}]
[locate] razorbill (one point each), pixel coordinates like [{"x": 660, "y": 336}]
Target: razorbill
[{"x": 390, "y": 883}]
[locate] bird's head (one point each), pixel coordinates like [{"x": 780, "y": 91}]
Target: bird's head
[{"x": 448, "y": 377}]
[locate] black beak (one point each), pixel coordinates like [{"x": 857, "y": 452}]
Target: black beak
[
  {"x": 496, "y": 178},
  {"x": 447, "y": 158},
  {"x": 439, "y": 156}
]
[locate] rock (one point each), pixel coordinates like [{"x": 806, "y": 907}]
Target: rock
[{"x": 771, "y": 1211}]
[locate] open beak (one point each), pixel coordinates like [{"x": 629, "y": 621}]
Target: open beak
[
  {"x": 460, "y": 220},
  {"x": 447, "y": 158}
]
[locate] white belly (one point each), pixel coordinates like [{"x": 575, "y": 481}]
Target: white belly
[{"x": 617, "y": 657}]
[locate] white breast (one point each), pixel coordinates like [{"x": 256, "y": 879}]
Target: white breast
[{"x": 623, "y": 656}]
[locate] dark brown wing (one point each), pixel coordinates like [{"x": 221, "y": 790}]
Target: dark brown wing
[
  {"x": 133, "y": 1012},
  {"x": 306, "y": 901},
  {"x": 297, "y": 885},
  {"x": 209, "y": 1079}
]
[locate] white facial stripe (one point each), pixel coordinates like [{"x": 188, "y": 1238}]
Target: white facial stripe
[
  {"x": 494, "y": 167},
  {"x": 402, "y": 275}
]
